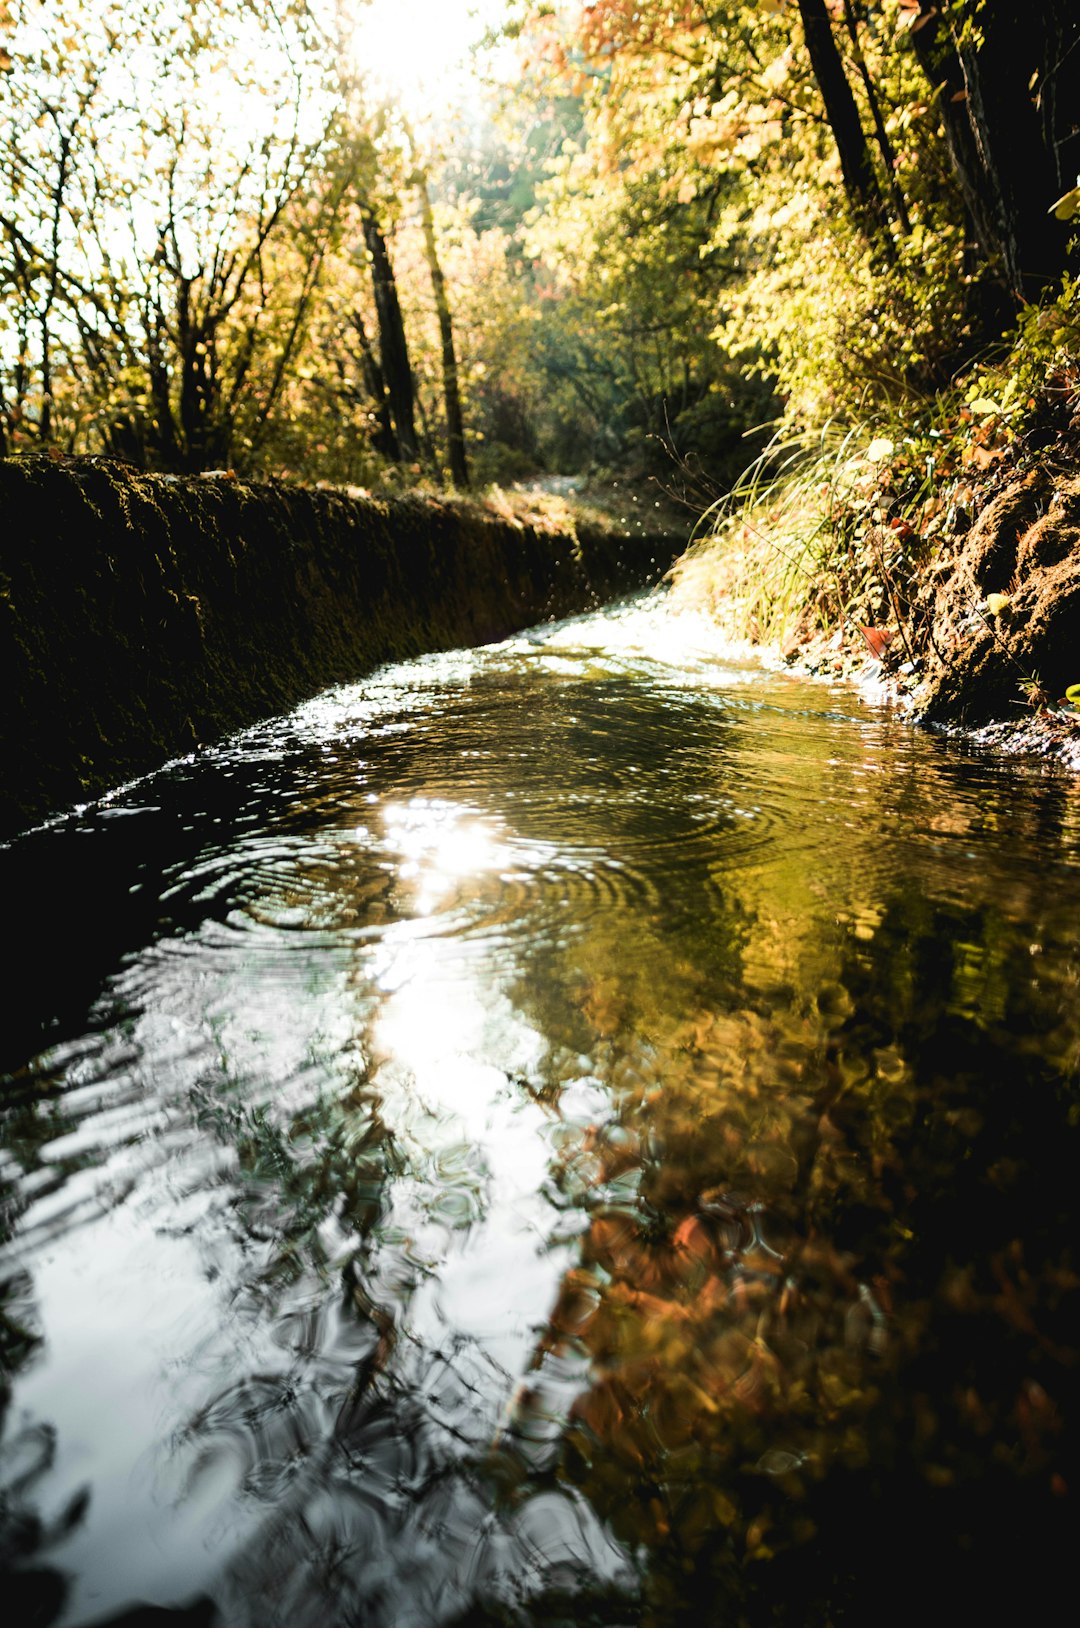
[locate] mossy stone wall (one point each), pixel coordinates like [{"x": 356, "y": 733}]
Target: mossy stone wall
[{"x": 143, "y": 616}]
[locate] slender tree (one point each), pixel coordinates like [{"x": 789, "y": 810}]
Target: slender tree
[
  {"x": 455, "y": 424},
  {"x": 842, "y": 113},
  {"x": 877, "y": 118},
  {"x": 395, "y": 366},
  {"x": 384, "y": 440}
]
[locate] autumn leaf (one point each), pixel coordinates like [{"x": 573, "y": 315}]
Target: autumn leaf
[
  {"x": 878, "y": 640},
  {"x": 982, "y": 457}
]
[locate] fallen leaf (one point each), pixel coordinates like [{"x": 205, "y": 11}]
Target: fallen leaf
[
  {"x": 878, "y": 640},
  {"x": 982, "y": 457}
]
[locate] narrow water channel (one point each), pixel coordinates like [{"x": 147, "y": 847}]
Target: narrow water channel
[{"x": 577, "y": 1131}]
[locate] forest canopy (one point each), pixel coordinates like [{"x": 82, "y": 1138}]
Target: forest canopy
[{"x": 224, "y": 243}]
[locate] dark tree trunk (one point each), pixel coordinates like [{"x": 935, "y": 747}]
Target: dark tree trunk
[
  {"x": 877, "y": 119},
  {"x": 1008, "y": 82},
  {"x": 455, "y": 426},
  {"x": 856, "y": 165},
  {"x": 384, "y": 439},
  {"x": 427, "y": 440},
  {"x": 393, "y": 348},
  {"x": 163, "y": 442}
]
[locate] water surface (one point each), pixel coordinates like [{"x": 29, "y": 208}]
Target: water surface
[{"x": 578, "y": 1131}]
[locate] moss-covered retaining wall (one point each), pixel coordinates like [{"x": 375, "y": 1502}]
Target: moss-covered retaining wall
[{"x": 142, "y": 616}]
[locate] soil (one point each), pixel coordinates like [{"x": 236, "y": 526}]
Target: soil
[
  {"x": 991, "y": 638},
  {"x": 999, "y": 618}
]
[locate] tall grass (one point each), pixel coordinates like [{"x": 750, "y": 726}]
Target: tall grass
[{"x": 782, "y": 555}]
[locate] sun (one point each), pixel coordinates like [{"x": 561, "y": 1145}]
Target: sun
[{"x": 416, "y": 51}]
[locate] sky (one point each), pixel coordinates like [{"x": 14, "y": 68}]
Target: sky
[{"x": 418, "y": 49}]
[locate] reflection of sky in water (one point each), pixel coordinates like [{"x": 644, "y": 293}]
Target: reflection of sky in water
[
  {"x": 152, "y": 1297},
  {"x": 452, "y": 1047}
]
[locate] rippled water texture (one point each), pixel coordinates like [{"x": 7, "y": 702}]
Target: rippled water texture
[{"x": 576, "y": 1131}]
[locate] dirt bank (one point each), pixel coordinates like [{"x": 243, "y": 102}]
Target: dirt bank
[
  {"x": 987, "y": 639},
  {"x": 142, "y": 617},
  {"x": 997, "y": 619},
  {"x": 964, "y": 609}
]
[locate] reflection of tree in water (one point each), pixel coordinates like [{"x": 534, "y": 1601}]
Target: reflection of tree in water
[
  {"x": 28, "y": 1451},
  {"x": 367, "y": 1458},
  {"x": 820, "y": 1349},
  {"x": 25, "y": 1537},
  {"x": 391, "y": 1509},
  {"x": 330, "y": 1446}
]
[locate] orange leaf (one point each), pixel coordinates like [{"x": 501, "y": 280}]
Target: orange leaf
[{"x": 878, "y": 640}]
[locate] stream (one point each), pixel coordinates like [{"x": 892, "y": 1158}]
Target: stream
[{"x": 582, "y": 1130}]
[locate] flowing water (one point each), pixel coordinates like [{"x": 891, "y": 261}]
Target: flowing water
[{"x": 579, "y": 1131}]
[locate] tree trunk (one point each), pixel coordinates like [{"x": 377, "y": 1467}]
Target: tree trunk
[
  {"x": 455, "y": 426},
  {"x": 393, "y": 348},
  {"x": 426, "y": 440},
  {"x": 856, "y": 166},
  {"x": 877, "y": 119},
  {"x": 1008, "y": 84},
  {"x": 384, "y": 440},
  {"x": 163, "y": 438}
]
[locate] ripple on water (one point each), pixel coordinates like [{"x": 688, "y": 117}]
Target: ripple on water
[{"x": 534, "y": 1125}]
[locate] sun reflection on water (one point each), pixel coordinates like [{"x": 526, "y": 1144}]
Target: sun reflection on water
[{"x": 440, "y": 843}]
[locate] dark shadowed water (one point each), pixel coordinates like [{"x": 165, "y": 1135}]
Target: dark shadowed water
[{"x": 579, "y": 1131}]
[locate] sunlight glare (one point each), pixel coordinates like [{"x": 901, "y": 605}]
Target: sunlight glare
[
  {"x": 416, "y": 51},
  {"x": 440, "y": 844}
]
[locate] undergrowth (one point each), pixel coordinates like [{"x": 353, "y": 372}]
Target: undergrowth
[{"x": 825, "y": 538}]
